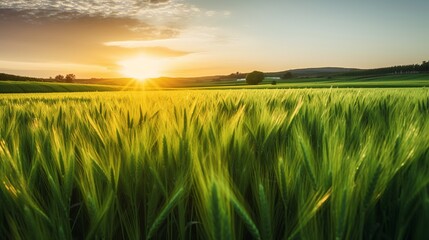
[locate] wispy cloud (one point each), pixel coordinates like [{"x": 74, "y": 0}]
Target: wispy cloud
[
  {"x": 107, "y": 8},
  {"x": 212, "y": 13},
  {"x": 192, "y": 40},
  {"x": 159, "y": 13},
  {"x": 46, "y": 30}
]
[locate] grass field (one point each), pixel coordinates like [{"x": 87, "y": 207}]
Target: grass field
[
  {"x": 382, "y": 81},
  {"x": 43, "y": 87},
  {"x": 230, "y": 164}
]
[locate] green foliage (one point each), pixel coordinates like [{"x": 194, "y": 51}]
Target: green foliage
[
  {"x": 401, "y": 69},
  {"x": 42, "y": 87},
  {"x": 9, "y": 77},
  {"x": 265, "y": 214},
  {"x": 59, "y": 78},
  {"x": 315, "y": 164},
  {"x": 287, "y": 75},
  {"x": 70, "y": 78},
  {"x": 254, "y": 77}
]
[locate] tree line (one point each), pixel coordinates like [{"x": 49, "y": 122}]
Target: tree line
[
  {"x": 400, "y": 69},
  {"x": 10, "y": 77},
  {"x": 69, "y": 78}
]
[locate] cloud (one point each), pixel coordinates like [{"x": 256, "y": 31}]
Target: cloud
[
  {"x": 158, "y": 1},
  {"x": 74, "y": 31},
  {"x": 211, "y": 13},
  {"x": 159, "y": 51},
  {"x": 106, "y": 8},
  {"x": 78, "y": 39},
  {"x": 172, "y": 13},
  {"x": 195, "y": 39},
  {"x": 99, "y": 32}
]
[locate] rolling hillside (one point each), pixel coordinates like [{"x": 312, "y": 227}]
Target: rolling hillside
[{"x": 44, "y": 87}]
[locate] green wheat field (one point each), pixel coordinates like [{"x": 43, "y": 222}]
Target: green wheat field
[{"x": 216, "y": 164}]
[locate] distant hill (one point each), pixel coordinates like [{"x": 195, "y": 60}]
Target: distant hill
[
  {"x": 312, "y": 72},
  {"x": 400, "y": 69},
  {"x": 45, "y": 87},
  {"x": 298, "y": 74},
  {"x": 304, "y": 72},
  {"x": 10, "y": 77},
  {"x": 99, "y": 81},
  {"x": 108, "y": 81}
]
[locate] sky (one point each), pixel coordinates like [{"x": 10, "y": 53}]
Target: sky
[{"x": 180, "y": 38}]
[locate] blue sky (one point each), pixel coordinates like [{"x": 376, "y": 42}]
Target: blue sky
[
  {"x": 195, "y": 37},
  {"x": 335, "y": 33}
]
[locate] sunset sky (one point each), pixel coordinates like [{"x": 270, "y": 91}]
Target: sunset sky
[{"x": 112, "y": 38}]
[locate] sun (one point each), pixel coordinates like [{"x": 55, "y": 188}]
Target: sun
[{"x": 141, "y": 67}]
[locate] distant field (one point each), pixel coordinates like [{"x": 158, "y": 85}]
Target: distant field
[
  {"x": 386, "y": 81},
  {"x": 230, "y": 164},
  {"x": 41, "y": 87}
]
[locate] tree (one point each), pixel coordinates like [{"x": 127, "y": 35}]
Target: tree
[
  {"x": 70, "y": 78},
  {"x": 59, "y": 78},
  {"x": 287, "y": 75},
  {"x": 425, "y": 66},
  {"x": 254, "y": 77}
]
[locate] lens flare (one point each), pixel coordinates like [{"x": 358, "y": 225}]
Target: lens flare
[{"x": 141, "y": 67}]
